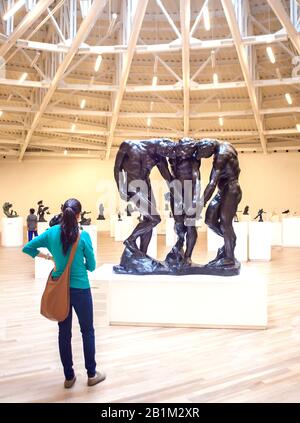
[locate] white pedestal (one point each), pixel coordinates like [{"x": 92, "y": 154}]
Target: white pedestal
[
  {"x": 42, "y": 267},
  {"x": 241, "y": 230},
  {"x": 245, "y": 218},
  {"x": 171, "y": 237},
  {"x": 276, "y": 228},
  {"x": 275, "y": 218},
  {"x": 152, "y": 248},
  {"x": 214, "y": 241},
  {"x": 260, "y": 237},
  {"x": 118, "y": 230},
  {"x": 92, "y": 230},
  {"x": 291, "y": 231},
  {"x": 42, "y": 227},
  {"x": 103, "y": 225},
  {"x": 112, "y": 224},
  {"x": 186, "y": 301},
  {"x": 12, "y": 231},
  {"x": 124, "y": 227},
  {"x": 128, "y": 224}
]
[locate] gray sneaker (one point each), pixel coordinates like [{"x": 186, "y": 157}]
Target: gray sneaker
[
  {"x": 99, "y": 377},
  {"x": 69, "y": 383}
]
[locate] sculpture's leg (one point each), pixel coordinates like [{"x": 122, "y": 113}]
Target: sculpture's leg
[
  {"x": 146, "y": 206},
  {"x": 145, "y": 241},
  {"x": 179, "y": 226},
  {"x": 212, "y": 215},
  {"x": 212, "y": 219},
  {"x": 180, "y": 230},
  {"x": 231, "y": 198},
  {"x": 191, "y": 239}
]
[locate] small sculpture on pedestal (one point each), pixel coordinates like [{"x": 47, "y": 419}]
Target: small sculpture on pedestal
[
  {"x": 167, "y": 196},
  {"x": 9, "y": 213},
  {"x": 236, "y": 218},
  {"x": 84, "y": 220},
  {"x": 129, "y": 210},
  {"x": 119, "y": 217},
  {"x": 260, "y": 215},
  {"x": 41, "y": 211},
  {"x": 101, "y": 212},
  {"x": 246, "y": 211},
  {"x": 57, "y": 218}
]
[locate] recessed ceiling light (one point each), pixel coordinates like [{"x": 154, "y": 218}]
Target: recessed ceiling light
[
  {"x": 206, "y": 18},
  {"x": 288, "y": 98},
  {"x": 271, "y": 54},
  {"x": 17, "y": 6},
  {"x": 98, "y": 63}
]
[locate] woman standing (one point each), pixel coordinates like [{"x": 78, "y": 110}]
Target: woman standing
[{"x": 58, "y": 240}]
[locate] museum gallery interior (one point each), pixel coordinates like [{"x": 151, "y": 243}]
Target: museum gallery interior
[{"x": 176, "y": 126}]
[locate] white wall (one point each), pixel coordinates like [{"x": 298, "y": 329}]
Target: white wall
[{"x": 271, "y": 182}]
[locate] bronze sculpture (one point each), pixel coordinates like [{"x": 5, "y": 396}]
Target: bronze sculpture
[
  {"x": 133, "y": 164},
  {"x": 7, "y": 210},
  {"x": 101, "y": 212},
  {"x": 42, "y": 210},
  {"x": 185, "y": 167},
  {"x": 260, "y": 214},
  {"x": 84, "y": 220},
  {"x": 223, "y": 207},
  {"x": 57, "y": 218},
  {"x": 246, "y": 211},
  {"x": 135, "y": 160}
]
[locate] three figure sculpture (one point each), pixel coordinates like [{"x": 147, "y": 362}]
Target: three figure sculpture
[{"x": 179, "y": 164}]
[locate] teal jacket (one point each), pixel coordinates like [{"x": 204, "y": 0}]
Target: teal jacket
[{"x": 84, "y": 259}]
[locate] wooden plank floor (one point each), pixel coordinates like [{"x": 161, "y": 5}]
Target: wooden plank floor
[{"x": 151, "y": 364}]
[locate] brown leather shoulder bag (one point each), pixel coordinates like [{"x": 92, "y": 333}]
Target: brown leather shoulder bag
[{"x": 55, "y": 302}]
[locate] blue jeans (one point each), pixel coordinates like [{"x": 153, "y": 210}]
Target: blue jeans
[
  {"x": 82, "y": 302},
  {"x": 30, "y": 234}
]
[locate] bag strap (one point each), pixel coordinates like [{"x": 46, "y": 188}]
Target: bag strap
[{"x": 73, "y": 251}]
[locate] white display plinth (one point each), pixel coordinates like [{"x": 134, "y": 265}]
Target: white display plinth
[
  {"x": 186, "y": 301},
  {"x": 171, "y": 236},
  {"x": 276, "y": 228},
  {"x": 92, "y": 230},
  {"x": 241, "y": 230},
  {"x": 214, "y": 241},
  {"x": 103, "y": 225},
  {"x": 291, "y": 232},
  {"x": 128, "y": 224},
  {"x": 152, "y": 248},
  {"x": 12, "y": 231},
  {"x": 112, "y": 222},
  {"x": 42, "y": 267},
  {"x": 42, "y": 227},
  {"x": 124, "y": 227},
  {"x": 118, "y": 230},
  {"x": 245, "y": 218},
  {"x": 260, "y": 237}
]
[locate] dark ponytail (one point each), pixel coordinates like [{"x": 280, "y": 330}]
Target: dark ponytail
[{"x": 69, "y": 224}]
